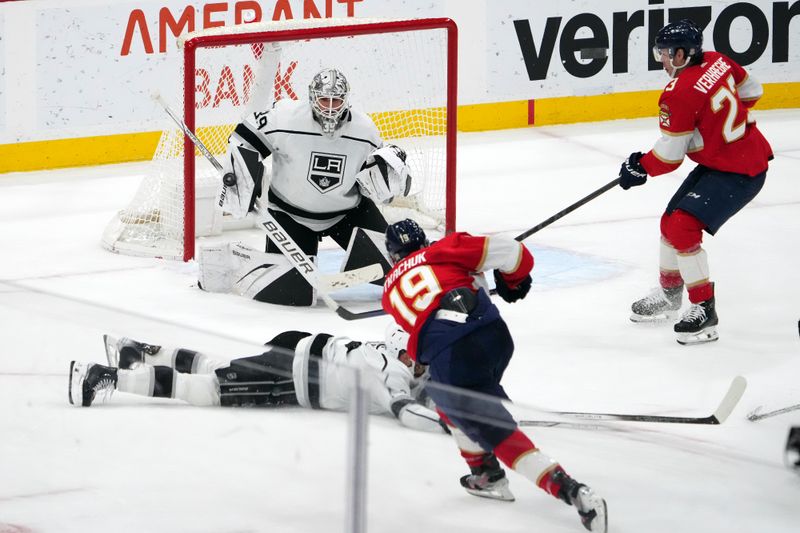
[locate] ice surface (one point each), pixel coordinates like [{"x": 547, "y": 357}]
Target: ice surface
[{"x": 134, "y": 465}]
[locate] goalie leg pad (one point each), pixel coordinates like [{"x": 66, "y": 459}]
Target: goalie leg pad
[
  {"x": 272, "y": 279},
  {"x": 265, "y": 277},
  {"x": 365, "y": 248},
  {"x": 217, "y": 268}
]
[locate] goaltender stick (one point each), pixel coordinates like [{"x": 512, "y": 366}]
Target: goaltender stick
[
  {"x": 329, "y": 168},
  {"x": 298, "y": 368}
]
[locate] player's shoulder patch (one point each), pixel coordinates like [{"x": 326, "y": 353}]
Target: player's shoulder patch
[{"x": 664, "y": 115}]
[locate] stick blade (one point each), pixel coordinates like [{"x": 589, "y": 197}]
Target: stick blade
[
  {"x": 350, "y": 278},
  {"x": 350, "y": 315},
  {"x": 731, "y": 399}
]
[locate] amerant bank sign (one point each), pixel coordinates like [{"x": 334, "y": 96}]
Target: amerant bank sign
[
  {"x": 176, "y": 21},
  {"x": 98, "y": 76},
  {"x": 231, "y": 82}
]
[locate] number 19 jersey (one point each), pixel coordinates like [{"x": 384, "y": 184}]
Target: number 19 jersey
[{"x": 416, "y": 284}]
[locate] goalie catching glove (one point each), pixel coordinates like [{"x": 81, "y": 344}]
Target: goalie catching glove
[
  {"x": 385, "y": 175},
  {"x": 240, "y": 198}
]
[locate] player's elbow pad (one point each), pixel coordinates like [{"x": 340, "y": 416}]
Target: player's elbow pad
[{"x": 419, "y": 417}]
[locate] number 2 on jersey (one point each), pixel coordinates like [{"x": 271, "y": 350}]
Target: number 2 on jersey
[
  {"x": 417, "y": 287},
  {"x": 730, "y": 132}
]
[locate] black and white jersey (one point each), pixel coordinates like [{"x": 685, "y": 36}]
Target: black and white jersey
[
  {"x": 329, "y": 380},
  {"x": 313, "y": 174},
  {"x": 324, "y": 371}
]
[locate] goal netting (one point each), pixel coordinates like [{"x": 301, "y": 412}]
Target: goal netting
[{"x": 402, "y": 73}]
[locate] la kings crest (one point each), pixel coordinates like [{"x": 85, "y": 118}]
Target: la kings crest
[{"x": 326, "y": 171}]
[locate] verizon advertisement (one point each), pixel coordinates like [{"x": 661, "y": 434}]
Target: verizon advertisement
[
  {"x": 584, "y": 47},
  {"x": 80, "y": 68}
]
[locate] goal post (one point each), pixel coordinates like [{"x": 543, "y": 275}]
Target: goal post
[{"x": 403, "y": 74}]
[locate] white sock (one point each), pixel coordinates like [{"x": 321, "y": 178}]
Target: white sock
[
  {"x": 197, "y": 389},
  {"x": 140, "y": 380},
  {"x": 694, "y": 267}
]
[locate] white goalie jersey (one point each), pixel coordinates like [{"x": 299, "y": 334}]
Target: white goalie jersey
[
  {"x": 387, "y": 380},
  {"x": 313, "y": 174}
]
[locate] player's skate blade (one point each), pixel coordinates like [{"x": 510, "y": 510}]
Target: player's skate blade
[
  {"x": 595, "y": 519},
  {"x": 706, "y": 335},
  {"x": 74, "y": 382},
  {"x": 112, "y": 351},
  {"x": 497, "y": 490},
  {"x": 654, "y": 319}
]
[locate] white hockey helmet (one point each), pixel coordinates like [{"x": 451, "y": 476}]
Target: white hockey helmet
[
  {"x": 396, "y": 340},
  {"x": 329, "y": 95}
]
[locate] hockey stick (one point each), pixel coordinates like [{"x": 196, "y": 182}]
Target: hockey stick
[
  {"x": 755, "y": 414},
  {"x": 351, "y": 278},
  {"x": 723, "y": 411},
  {"x": 274, "y": 231},
  {"x": 567, "y": 210},
  {"x": 228, "y": 178}
]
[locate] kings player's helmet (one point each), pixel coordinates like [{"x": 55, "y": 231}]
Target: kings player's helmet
[
  {"x": 329, "y": 94},
  {"x": 396, "y": 340},
  {"x": 404, "y": 238},
  {"x": 682, "y": 34}
]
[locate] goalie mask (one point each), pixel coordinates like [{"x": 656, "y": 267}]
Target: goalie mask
[{"x": 329, "y": 94}]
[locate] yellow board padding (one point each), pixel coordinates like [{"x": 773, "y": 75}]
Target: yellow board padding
[
  {"x": 107, "y": 149},
  {"x": 780, "y": 96},
  {"x": 572, "y": 109},
  {"x": 497, "y": 116},
  {"x": 39, "y": 155}
]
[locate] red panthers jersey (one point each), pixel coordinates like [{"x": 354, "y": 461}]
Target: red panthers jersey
[
  {"x": 416, "y": 284},
  {"x": 704, "y": 113}
]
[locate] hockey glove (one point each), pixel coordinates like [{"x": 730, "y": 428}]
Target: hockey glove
[
  {"x": 632, "y": 173},
  {"x": 248, "y": 172},
  {"x": 509, "y": 293},
  {"x": 385, "y": 175}
]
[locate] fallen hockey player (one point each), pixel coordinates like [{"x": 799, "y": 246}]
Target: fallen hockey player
[{"x": 298, "y": 368}]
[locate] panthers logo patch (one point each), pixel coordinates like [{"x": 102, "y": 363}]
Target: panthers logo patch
[{"x": 663, "y": 116}]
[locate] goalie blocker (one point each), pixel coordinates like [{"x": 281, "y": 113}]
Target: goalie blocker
[{"x": 235, "y": 268}]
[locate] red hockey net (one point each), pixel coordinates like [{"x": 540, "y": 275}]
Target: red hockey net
[{"x": 402, "y": 73}]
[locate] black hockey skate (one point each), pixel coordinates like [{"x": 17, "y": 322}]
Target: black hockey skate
[
  {"x": 698, "y": 324},
  {"x": 85, "y": 381},
  {"x": 591, "y": 508},
  {"x": 127, "y": 353},
  {"x": 792, "y": 453},
  {"x": 660, "y": 305},
  {"x": 488, "y": 480}
]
